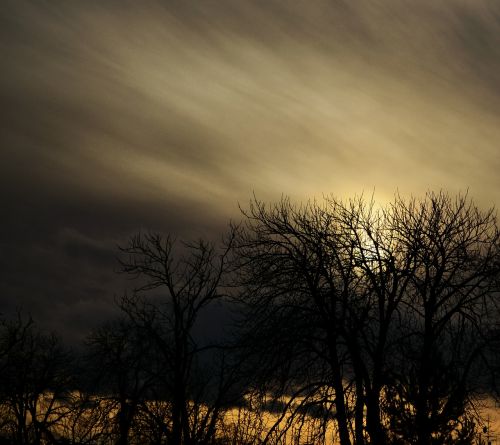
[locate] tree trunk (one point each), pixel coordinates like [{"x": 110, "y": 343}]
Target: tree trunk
[
  {"x": 124, "y": 423},
  {"x": 338, "y": 384},
  {"x": 373, "y": 423},
  {"x": 359, "y": 412}
]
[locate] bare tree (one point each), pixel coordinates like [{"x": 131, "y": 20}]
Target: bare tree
[
  {"x": 175, "y": 284},
  {"x": 384, "y": 305},
  {"x": 34, "y": 384},
  {"x": 122, "y": 361},
  {"x": 297, "y": 274},
  {"x": 88, "y": 421},
  {"x": 450, "y": 308}
]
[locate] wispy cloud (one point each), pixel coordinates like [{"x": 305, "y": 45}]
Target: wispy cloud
[{"x": 167, "y": 114}]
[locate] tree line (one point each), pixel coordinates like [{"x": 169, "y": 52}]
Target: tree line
[{"x": 352, "y": 323}]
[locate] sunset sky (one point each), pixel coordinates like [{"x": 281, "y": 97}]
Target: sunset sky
[{"x": 118, "y": 116}]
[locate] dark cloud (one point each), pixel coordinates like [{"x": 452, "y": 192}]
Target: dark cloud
[{"x": 117, "y": 116}]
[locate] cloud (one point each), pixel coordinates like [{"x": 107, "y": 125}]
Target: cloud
[{"x": 117, "y": 116}]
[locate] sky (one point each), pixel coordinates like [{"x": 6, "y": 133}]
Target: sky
[{"x": 120, "y": 116}]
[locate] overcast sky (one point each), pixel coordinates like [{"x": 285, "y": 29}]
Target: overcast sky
[{"x": 122, "y": 115}]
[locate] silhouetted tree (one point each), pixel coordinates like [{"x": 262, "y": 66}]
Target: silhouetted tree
[
  {"x": 34, "y": 384},
  {"x": 88, "y": 421},
  {"x": 449, "y": 311},
  {"x": 174, "y": 287},
  {"x": 298, "y": 276},
  {"x": 123, "y": 363},
  {"x": 388, "y": 307}
]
